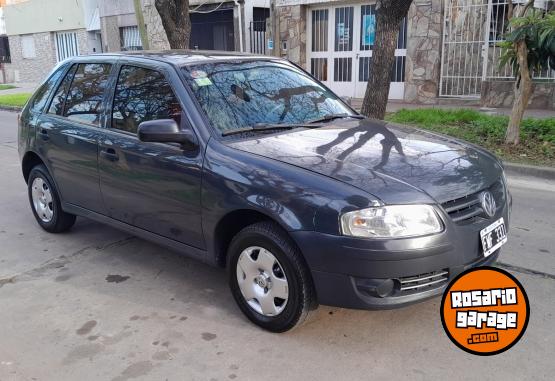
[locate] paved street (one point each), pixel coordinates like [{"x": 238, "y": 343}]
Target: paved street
[{"x": 98, "y": 304}]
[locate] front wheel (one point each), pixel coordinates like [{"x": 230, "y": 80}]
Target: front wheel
[{"x": 269, "y": 279}]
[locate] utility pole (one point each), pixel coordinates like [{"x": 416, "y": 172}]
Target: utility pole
[
  {"x": 141, "y": 23},
  {"x": 273, "y": 28}
]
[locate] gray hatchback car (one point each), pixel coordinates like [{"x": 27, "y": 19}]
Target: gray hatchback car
[{"x": 249, "y": 163}]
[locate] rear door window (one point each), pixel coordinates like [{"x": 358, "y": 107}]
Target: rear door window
[
  {"x": 84, "y": 98},
  {"x": 142, "y": 94}
]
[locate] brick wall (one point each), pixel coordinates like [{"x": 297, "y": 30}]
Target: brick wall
[{"x": 35, "y": 69}]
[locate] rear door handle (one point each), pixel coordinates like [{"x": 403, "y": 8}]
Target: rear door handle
[
  {"x": 109, "y": 154},
  {"x": 43, "y": 129},
  {"x": 43, "y": 133}
]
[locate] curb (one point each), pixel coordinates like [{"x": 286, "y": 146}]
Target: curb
[
  {"x": 11, "y": 108},
  {"x": 547, "y": 173}
]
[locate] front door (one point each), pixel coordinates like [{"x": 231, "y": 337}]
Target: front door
[
  {"x": 340, "y": 40},
  {"x": 153, "y": 186}
]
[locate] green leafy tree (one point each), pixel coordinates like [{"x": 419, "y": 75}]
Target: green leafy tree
[{"x": 529, "y": 47}]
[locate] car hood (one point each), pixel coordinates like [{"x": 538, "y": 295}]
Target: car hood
[{"x": 397, "y": 164}]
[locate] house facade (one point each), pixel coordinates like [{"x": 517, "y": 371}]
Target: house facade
[
  {"x": 215, "y": 25},
  {"x": 447, "y": 49},
  {"x": 42, "y": 33}
]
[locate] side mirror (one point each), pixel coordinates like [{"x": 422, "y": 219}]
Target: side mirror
[{"x": 166, "y": 131}]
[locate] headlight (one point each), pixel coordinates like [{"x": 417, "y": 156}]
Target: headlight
[{"x": 392, "y": 221}]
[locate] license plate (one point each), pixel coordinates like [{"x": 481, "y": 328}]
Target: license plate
[{"x": 493, "y": 236}]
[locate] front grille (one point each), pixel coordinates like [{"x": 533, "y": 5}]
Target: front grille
[
  {"x": 423, "y": 281},
  {"x": 466, "y": 209}
]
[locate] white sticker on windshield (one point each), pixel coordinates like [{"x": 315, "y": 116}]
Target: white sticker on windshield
[
  {"x": 198, "y": 74},
  {"x": 203, "y": 81}
]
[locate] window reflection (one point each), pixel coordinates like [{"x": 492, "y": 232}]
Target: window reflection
[
  {"x": 40, "y": 98},
  {"x": 235, "y": 95},
  {"x": 84, "y": 99},
  {"x": 141, "y": 95},
  {"x": 57, "y": 104}
]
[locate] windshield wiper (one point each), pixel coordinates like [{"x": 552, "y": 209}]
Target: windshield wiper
[
  {"x": 327, "y": 118},
  {"x": 268, "y": 126}
]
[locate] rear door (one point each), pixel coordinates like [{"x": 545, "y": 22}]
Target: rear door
[
  {"x": 67, "y": 133},
  {"x": 154, "y": 186}
]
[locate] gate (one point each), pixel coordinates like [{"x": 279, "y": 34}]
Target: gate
[
  {"x": 258, "y": 37},
  {"x": 462, "y": 63},
  {"x": 472, "y": 30}
]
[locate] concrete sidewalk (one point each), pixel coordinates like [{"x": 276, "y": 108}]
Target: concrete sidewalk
[{"x": 396, "y": 105}]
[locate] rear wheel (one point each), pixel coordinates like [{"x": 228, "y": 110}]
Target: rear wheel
[
  {"x": 269, "y": 279},
  {"x": 45, "y": 202}
]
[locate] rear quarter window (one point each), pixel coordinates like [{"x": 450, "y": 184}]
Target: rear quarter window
[
  {"x": 41, "y": 96},
  {"x": 57, "y": 104}
]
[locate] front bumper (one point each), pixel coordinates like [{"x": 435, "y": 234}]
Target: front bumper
[{"x": 389, "y": 273}]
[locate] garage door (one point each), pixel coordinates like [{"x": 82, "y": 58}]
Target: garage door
[{"x": 340, "y": 40}]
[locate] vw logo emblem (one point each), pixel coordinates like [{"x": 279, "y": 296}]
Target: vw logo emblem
[{"x": 488, "y": 203}]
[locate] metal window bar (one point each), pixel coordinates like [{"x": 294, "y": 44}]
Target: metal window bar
[
  {"x": 342, "y": 69},
  {"x": 319, "y": 68},
  {"x": 258, "y": 37},
  {"x": 397, "y": 71},
  {"x": 498, "y": 27},
  {"x": 343, "y": 29},
  {"x": 472, "y": 30},
  {"x": 130, "y": 38},
  {"x": 320, "y": 30},
  {"x": 66, "y": 45}
]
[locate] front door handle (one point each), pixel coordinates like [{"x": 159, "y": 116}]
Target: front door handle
[{"x": 109, "y": 154}]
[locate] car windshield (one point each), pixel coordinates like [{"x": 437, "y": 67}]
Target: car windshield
[{"x": 236, "y": 95}]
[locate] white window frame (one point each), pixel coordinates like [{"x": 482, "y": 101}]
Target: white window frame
[{"x": 66, "y": 45}]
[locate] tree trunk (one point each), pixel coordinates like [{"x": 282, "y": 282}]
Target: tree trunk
[
  {"x": 176, "y": 21},
  {"x": 523, "y": 92},
  {"x": 390, "y": 13},
  {"x": 523, "y": 86}
]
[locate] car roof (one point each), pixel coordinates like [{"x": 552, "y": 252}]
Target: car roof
[{"x": 184, "y": 57}]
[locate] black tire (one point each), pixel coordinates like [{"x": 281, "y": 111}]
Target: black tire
[
  {"x": 302, "y": 297},
  {"x": 60, "y": 221}
]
